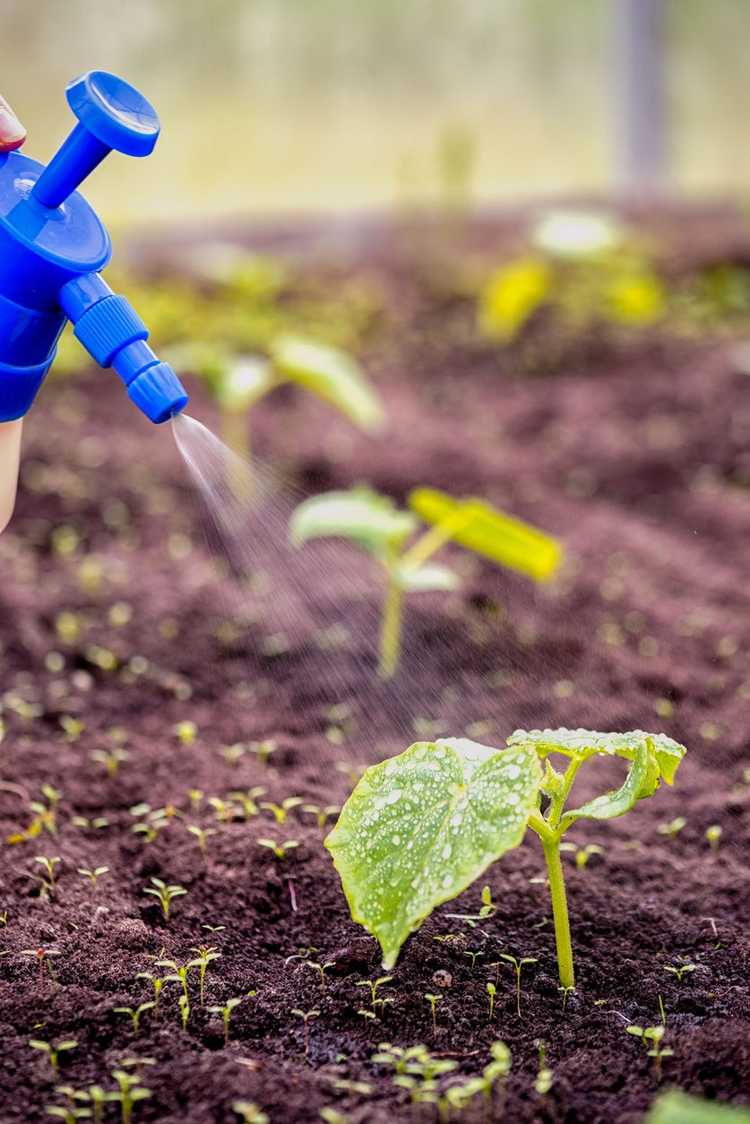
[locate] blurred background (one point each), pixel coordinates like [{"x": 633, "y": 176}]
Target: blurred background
[{"x": 310, "y": 105}]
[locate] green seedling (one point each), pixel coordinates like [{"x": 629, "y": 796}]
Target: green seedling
[
  {"x": 433, "y": 1001},
  {"x": 86, "y": 824},
  {"x": 157, "y": 983},
  {"x": 374, "y": 985},
  {"x": 135, "y": 1013},
  {"x": 307, "y": 1017},
  {"x": 321, "y": 969},
  {"x": 474, "y": 956},
  {"x": 44, "y": 816},
  {"x": 582, "y": 854},
  {"x": 226, "y": 1012},
  {"x": 680, "y": 971},
  {"x": 129, "y": 1094},
  {"x": 263, "y": 749},
  {"x": 322, "y": 814},
  {"x": 68, "y": 1113},
  {"x": 420, "y": 827},
  {"x": 165, "y": 894},
  {"x": 673, "y": 827},
  {"x": 240, "y": 382},
  {"x": 184, "y": 1005},
  {"x": 544, "y": 1075},
  {"x": 491, "y": 991},
  {"x": 249, "y": 1112},
  {"x": 652, "y": 1037},
  {"x": 248, "y": 800},
  {"x": 224, "y": 810},
  {"x": 110, "y": 759},
  {"x": 202, "y": 834},
  {"x": 47, "y": 880},
  {"x": 205, "y": 955},
  {"x": 52, "y": 1051},
  {"x": 179, "y": 973},
  {"x": 374, "y": 524},
  {"x": 488, "y": 907},
  {"x": 186, "y": 732},
  {"x": 281, "y": 811},
  {"x": 713, "y": 836},
  {"x": 93, "y": 875},
  {"x": 518, "y": 967},
  {"x": 195, "y": 796},
  {"x": 280, "y": 850}
]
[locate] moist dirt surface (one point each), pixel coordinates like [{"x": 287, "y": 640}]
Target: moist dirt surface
[{"x": 117, "y": 623}]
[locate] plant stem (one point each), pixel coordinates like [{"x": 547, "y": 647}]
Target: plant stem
[
  {"x": 551, "y": 847},
  {"x": 390, "y": 629}
]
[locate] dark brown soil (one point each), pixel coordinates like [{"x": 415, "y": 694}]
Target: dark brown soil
[{"x": 634, "y": 453}]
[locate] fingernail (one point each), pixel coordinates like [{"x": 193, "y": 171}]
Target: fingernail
[{"x": 12, "y": 132}]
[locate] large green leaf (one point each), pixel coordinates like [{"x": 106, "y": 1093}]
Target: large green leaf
[
  {"x": 367, "y": 518},
  {"x": 420, "y": 827},
  {"x": 485, "y": 530},
  {"x": 585, "y": 743},
  {"x": 333, "y": 375},
  {"x": 676, "y": 1107}
]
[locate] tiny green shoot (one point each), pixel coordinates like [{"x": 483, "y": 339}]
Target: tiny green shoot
[
  {"x": 518, "y": 967},
  {"x": 307, "y": 1017},
  {"x": 165, "y": 894},
  {"x": 281, "y": 811},
  {"x": 47, "y": 880},
  {"x": 374, "y": 987},
  {"x": 226, "y": 1012},
  {"x": 280, "y": 850},
  {"x": 204, "y": 955},
  {"x": 491, "y": 991},
  {"x": 544, "y": 1076},
  {"x": 681, "y": 970},
  {"x": 433, "y": 1001},
  {"x": 183, "y": 1003},
  {"x": 135, "y": 1013},
  {"x": 93, "y": 875},
  {"x": 128, "y": 1094},
  {"x": 713, "y": 836},
  {"x": 249, "y": 1112},
  {"x": 202, "y": 834},
  {"x": 673, "y": 827},
  {"x": 52, "y": 1051}
]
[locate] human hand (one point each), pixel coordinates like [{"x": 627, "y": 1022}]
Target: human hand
[{"x": 12, "y": 132}]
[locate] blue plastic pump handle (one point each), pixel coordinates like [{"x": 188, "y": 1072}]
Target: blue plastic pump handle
[
  {"x": 53, "y": 246},
  {"x": 111, "y": 114}
]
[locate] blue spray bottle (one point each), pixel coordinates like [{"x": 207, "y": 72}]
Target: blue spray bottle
[{"x": 52, "y": 250}]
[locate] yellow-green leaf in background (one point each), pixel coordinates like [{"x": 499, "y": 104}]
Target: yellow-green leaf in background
[
  {"x": 490, "y": 532},
  {"x": 510, "y": 296},
  {"x": 334, "y": 375},
  {"x": 635, "y": 299}
]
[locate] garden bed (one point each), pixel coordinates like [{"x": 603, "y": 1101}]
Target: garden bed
[{"x": 119, "y": 628}]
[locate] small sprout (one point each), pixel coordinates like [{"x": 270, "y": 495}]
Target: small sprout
[
  {"x": 518, "y": 965},
  {"x": 433, "y": 1000},
  {"x": 128, "y": 1094},
  {"x": 374, "y": 986},
  {"x": 582, "y": 854},
  {"x": 205, "y": 955},
  {"x": 680, "y": 970},
  {"x": 320, "y": 969},
  {"x": 248, "y": 800},
  {"x": 249, "y": 1112},
  {"x": 224, "y": 810},
  {"x": 307, "y": 1017},
  {"x": 53, "y": 1051},
  {"x": 195, "y": 796},
  {"x": 93, "y": 875},
  {"x": 652, "y": 1036},
  {"x": 491, "y": 991},
  {"x": 226, "y": 1012},
  {"x": 46, "y": 880},
  {"x": 279, "y": 849},
  {"x": 487, "y": 908},
  {"x": 135, "y": 1013},
  {"x": 263, "y": 749},
  {"x": 72, "y": 727},
  {"x": 157, "y": 983},
  {"x": 713, "y": 836},
  {"x": 322, "y": 815},
  {"x": 184, "y": 1005},
  {"x": 110, "y": 759},
  {"x": 165, "y": 894},
  {"x": 474, "y": 956},
  {"x": 179, "y": 973},
  {"x": 544, "y": 1076},
  {"x": 201, "y": 834},
  {"x": 673, "y": 827},
  {"x": 233, "y": 754},
  {"x": 186, "y": 732},
  {"x": 280, "y": 811},
  {"x": 85, "y": 824}
]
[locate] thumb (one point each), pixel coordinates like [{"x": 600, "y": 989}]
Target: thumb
[{"x": 12, "y": 132}]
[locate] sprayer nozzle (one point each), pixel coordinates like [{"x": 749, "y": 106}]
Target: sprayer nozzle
[{"x": 158, "y": 392}]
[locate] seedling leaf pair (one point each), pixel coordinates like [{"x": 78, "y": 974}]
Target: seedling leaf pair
[{"x": 420, "y": 827}]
